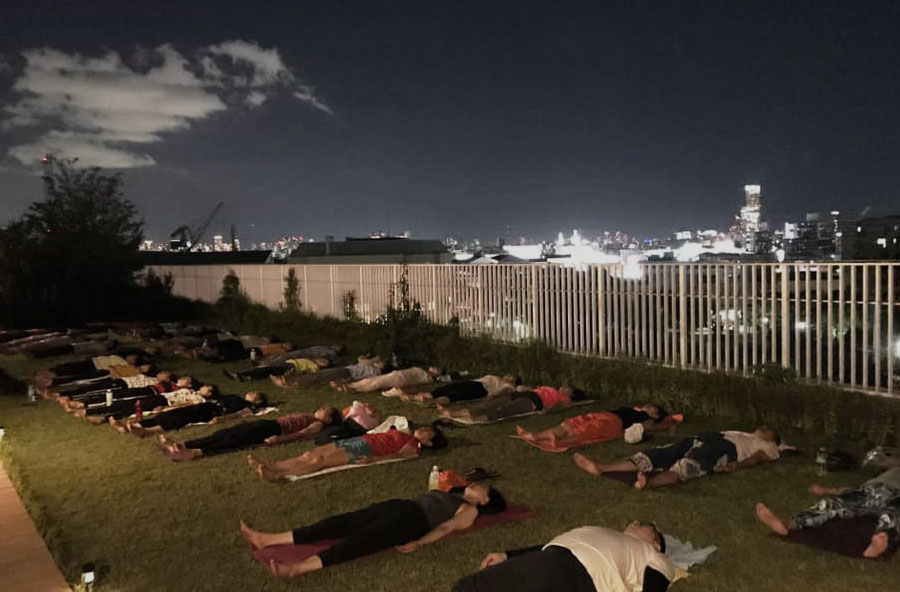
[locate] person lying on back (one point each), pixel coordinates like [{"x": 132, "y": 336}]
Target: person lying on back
[{"x": 586, "y": 559}]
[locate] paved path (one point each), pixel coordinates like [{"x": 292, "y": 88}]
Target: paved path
[{"x": 25, "y": 563}]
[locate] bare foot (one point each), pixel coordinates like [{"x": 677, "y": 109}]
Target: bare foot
[
  {"x": 255, "y": 465},
  {"x": 878, "y": 545},
  {"x": 251, "y": 536},
  {"x": 640, "y": 481},
  {"x": 183, "y": 455},
  {"x": 768, "y": 517},
  {"x": 168, "y": 447},
  {"x": 586, "y": 464},
  {"x": 262, "y": 469},
  {"x": 94, "y": 419},
  {"x": 278, "y": 380},
  {"x": 525, "y": 434},
  {"x": 137, "y": 430},
  {"x": 119, "y": 426},
  {"x": 280, "y": 570}
]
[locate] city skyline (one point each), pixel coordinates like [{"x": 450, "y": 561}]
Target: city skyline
[{"x": 457, "y": 119}]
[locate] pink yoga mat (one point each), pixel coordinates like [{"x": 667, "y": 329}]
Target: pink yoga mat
[{"x": 297, "y": 553}]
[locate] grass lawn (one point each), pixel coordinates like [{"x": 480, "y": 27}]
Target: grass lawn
[{"x": 150, "y": 524}]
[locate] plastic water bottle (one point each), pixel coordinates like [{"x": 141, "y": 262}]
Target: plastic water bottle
[
  {"x": 138, "y": 411},
  {"x": 253, "y": 354},
  {"x": 822, "y": 461},
  {"x": 434, "y": 478},
  {"x": 109, "y": 397}
]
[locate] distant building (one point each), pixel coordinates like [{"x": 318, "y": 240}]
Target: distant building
[
  {"x": 370, "y": 250},
  {"x": 869, "y": 238},
  {"x": 815, "y": 239},
  {"x": 749, "y": 220},
  {"x": 204, "y": 258}
]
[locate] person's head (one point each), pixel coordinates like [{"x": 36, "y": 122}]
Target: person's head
[
  {"x": 328, "y": 415},
  {"x": 768, "y": 434},
  {"x": 256, "y": 398},
  {"x": 486, "y": 499},
  {"x": 647, "y": 532},
  {"x": 430, "y": 437},
  {"x": 322, "y": 362},
  {"x": 512, "y": 379},
  {"x": 185, "y": 382},
  {"x": 208, "y": 391},
  {"x": 435, "y": 370},
  {"x": 147, "y": 369},
  {"x": 573, "y": 393},
  {"x": 164, "y": 375},
  {"x": 654, "y": 411}
]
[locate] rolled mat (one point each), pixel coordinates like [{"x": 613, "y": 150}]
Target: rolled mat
[
  {"x": 846, "y": 536},
  {"x": 296, "y": 553}
]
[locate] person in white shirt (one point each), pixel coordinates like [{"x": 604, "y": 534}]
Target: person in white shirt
[
  {"x": 693, "y": 457},
  {"x": 586, "y": 559},
  {"x": 876, "y": 497}
]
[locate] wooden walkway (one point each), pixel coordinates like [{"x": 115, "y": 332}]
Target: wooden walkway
[{"x": 25, "y": 563}]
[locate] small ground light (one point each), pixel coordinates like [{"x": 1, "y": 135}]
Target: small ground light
[{"x": 87, "y": 576}]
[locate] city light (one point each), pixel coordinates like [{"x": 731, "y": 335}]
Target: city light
[{"x": 897, "y": 348}]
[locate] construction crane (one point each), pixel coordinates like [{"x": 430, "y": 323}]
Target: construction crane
[{"x": 186, "y": 239}]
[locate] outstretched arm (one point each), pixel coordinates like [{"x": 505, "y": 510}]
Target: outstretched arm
[
  {"x": 231, "y": 416},
  {"x": 307, "y": 432},
  {"x": 757, "y": 457},
  {"x": 464, "y": 518},
  {"x": 495, "y": 558}
]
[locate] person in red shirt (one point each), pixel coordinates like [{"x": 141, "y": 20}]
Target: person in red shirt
[
  {"x": 359, "y": 450},
  {"x": 595, "y": 427},
  {"x": 524, "y": 400}
]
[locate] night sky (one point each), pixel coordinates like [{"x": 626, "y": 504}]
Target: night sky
[{"x": 457, "y": 118}]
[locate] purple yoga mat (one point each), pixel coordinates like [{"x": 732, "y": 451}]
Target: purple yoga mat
[{"x": 297, "y": 553}]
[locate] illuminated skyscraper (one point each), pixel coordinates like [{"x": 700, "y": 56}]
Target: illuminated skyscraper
[{"x": 749, "y": 220}]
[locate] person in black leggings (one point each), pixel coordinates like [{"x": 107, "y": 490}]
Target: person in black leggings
[
  {"x": 585, "y": 559},
  {"x": 402, "y": 523},
  {"x": 287, "y": 428},
  {"x": 215, "y": 410}
]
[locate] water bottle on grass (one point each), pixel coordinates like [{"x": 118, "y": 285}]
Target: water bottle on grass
[
  {"x": 109, "y": 397},
  {"x": 822, "y": 461},
  {"x": 434, "y": 478}
]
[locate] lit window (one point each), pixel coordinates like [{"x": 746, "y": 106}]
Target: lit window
[
  {"x": 859, "y": 229},
  {"x": 882, "y": 242}
]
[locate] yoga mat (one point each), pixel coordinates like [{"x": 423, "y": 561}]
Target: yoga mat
[
  {"x": 669, "y": 421},
  {"x": 346, "y": 468},
  {"x": 845, "y": 536},
  {"x": 469, "y": 422},
  {"x": 297, "y": 553}
]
